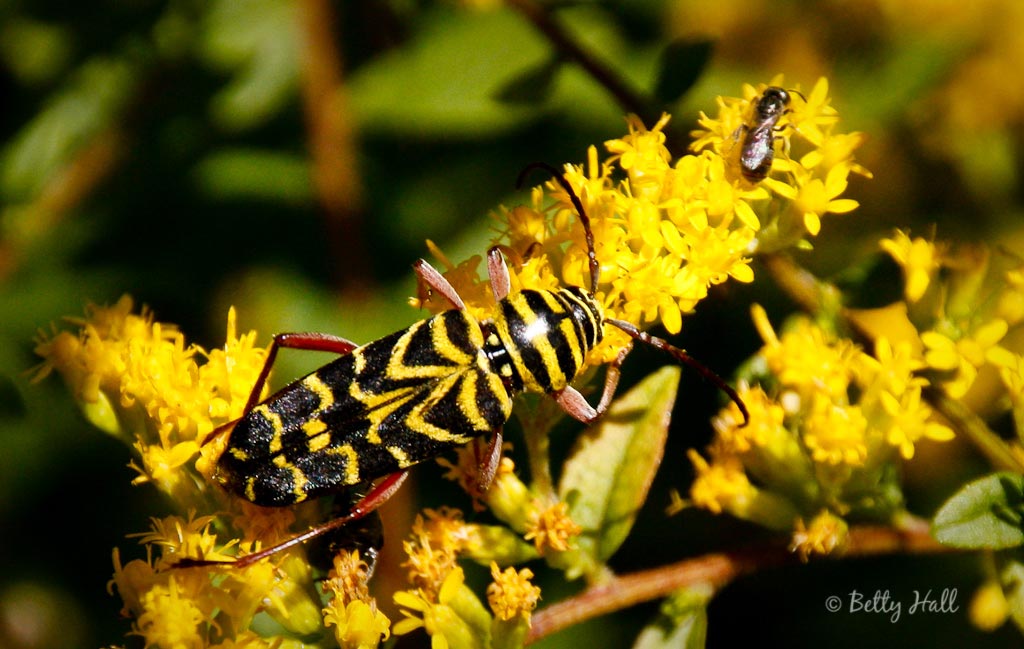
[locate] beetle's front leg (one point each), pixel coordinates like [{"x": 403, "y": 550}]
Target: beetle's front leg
[
  {"x": 577, "y": 406},
  {"x": 309, "y": 341},
  {"x": 435, "y": 282}
]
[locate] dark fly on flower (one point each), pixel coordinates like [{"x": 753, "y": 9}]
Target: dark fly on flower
[
  {"x": 442, "y": 383},
  {"x": 757, "y": 150}
]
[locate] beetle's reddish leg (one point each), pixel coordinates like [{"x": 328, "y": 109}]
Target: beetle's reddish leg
[
  {"x": 577, "y": 406},
  {"x": 435, "y": 281},
  {"x": 312, "y": 341},
  {"x": 371, "y": 501}
]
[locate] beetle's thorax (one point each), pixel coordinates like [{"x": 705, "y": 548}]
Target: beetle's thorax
[{"x": 538, "y": 340}]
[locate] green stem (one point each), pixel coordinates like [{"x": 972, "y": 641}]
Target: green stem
[
  {"x": 810, "y": 293},
  {"x": 537, "y": 419},
  {"x": 970, "y": 425}
]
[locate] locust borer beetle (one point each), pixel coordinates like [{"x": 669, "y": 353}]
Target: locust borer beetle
[{"x": 411, "y": 396}]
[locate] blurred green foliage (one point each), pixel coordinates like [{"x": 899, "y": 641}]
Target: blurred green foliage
[{"x": 162, "y": 149}]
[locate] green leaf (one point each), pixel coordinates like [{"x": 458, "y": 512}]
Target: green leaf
[
  {"x": 985, "y": 513},
  {"x": 1012, "y": 576},
  {"x": 531, "y": 86},
  {"x": 256, "y": 174},
  {"x": 445, "y": 80},
  {"x": 257, "y": 42},
  {"x": 89, "y": 102},
  {"x": 681, "y": 624},
  {"x": 680, "y": 67},
  {"x": 606, "y": 478}
]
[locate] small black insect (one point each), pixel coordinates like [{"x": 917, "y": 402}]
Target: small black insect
[{"x": 758, "y": 147}]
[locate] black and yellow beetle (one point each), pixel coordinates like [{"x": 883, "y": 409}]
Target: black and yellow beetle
[{"x": 413, "y": 395}]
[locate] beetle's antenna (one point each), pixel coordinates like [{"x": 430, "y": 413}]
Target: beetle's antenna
[
  {"x": 595, "y": 267},
  {"x": 628, "y": 328},
  {"x": 681, "y": 356}
]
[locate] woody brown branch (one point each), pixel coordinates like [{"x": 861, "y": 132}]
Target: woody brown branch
[
  {"x": 717, "y": 570},
  {"x": 331, "y": 140}
]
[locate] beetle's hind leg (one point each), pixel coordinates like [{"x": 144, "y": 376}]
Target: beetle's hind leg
[{"x": 367, "y": 504}]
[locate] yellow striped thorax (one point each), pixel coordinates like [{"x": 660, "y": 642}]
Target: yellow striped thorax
[{"x": 545, "y": 336}]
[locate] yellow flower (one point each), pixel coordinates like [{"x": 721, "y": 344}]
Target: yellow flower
[
  {"x": 891, "y": 369},
  {"x": 815, "y": 197},
  {"x": 437, "y": 538},
  {"x": 722, "y": 485},
  {"x": 836, "y": 434},
  {"x": 813, "y": 116},
  {"x": 178, "y": 538},
  {"x": 919, "y": 258},
  {"x": 511, "y": 594},
  {"x": 170, "y": 618},
  {"x": 989, "y": 609},
  {"x": 825, "y": 533},
  {"x": 94, "y": 361},
  {"x": 766, "y": 422},
  {"x": 551, "y": 528},
  {"x": 961, "y": 357},
  {"x": 131, "y": 580},
  {"x": 162, "y": 465},
  {"x": 909, "y": 422},
  {"x": 642, "y": 153},
  {"x": 804, "y": 358},
  {"x": 440, "y": 616},
  {"x": 357, "y": 622},
  {"x": 150, "y": 387},
  {"x": 1011, "y": 371}
]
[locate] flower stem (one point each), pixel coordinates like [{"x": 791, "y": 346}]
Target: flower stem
[
  {"x": 626, "y": 96},
  {"x": 971, "y": 426},
  {"x": 810, "y": 293},
  {"x": 716, "y": 570}
]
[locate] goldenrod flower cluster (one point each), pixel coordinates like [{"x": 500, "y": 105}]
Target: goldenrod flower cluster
[
  {"x": 137, "y": 379},
  {"x": 443, "y": 605},
  {"x": 666, "y": 229},
  {"x": 828, "y": 420},
  {"x": 963, "y": 312}
]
